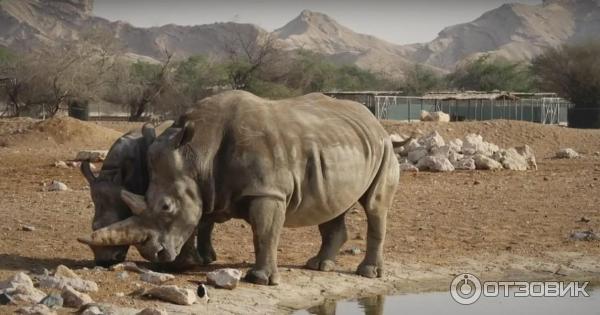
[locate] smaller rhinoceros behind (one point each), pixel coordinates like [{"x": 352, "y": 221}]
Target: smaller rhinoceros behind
[{"x": 125, "y": 167}]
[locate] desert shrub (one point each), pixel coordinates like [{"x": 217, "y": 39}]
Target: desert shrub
[{"x": 488, "y": 74}]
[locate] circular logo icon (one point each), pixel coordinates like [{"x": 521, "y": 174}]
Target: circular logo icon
[{"x": 465, "y": 289}]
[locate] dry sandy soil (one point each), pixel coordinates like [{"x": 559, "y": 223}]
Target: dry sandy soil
[{"x": 498, "y": 225}]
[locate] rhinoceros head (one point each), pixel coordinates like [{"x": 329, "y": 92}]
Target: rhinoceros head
[
  {"x": 119, "y": 171},
  {"x": 166, "y": 217}
]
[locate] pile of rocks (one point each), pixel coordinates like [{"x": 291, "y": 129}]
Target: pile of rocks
[{"x": 433, "y": 153}]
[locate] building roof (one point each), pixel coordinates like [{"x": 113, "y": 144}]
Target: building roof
[
  {"x": 372, "y": 93},
  {"x": 469, "y": 95}
]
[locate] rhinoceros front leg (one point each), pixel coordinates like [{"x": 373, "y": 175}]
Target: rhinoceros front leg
[
  {"x": 333, "y": 236},
  {"x": 204, "y": 242},
  {"x": 266, "y": 216}
]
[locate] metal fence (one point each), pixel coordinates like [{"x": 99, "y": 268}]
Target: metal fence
[{"x": 547, "y": 110}]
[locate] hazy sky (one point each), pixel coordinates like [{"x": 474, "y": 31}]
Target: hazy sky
[{"x": 400, "y": 21}]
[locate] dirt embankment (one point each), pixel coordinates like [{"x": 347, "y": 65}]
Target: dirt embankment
[{"x": 498, "y": 225}]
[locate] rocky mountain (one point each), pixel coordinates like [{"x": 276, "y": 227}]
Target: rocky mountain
[
  {"x": 513, "y": 31},
  {"x": 27, "y": 24}
]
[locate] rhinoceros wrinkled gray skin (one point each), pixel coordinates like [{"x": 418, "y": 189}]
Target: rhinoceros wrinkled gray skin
[
  {"x": 296, "y": 162},
  {"x": 125, "y": 167}
]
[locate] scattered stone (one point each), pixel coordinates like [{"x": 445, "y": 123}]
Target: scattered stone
[
  {"x": 417, "y": 154},
  {"x": 128, "y": 266},
  {"x": 152, "y": 311},
  {"x": 59, "y": 282},
  {"x": 119, "y": 294},
  {"x": 60, "y": 164},
  {"x": 92, "y": 310},
  {"x": 511, "y": 160},
  {"x": 435, "y": 164},
  {"x": 434, "y": 116},
  {"x": 75, "y": 164},
  {"x": 567, "y": 153},
  {"x": 122, "y": 275},
  {"x": 156, "y": 277},
  {"x": 173, "y": 294},
  {"x": 64, "y": 271},
  {"x": 38, "y": 309},
  {"x": 408, "y": 167},
  {"x": 527, "y": 152},
  {"x": 353, "y": 251},
  {"x": 5, "y": 299},
  {"x": 21, "y": 290},
  {"x": 57, "y": 186},
  {"x": 483, "y": 162},
  {"x": 28, "y": 228},
  {"x": 465, "y": 164},
  {"x": 584, "y": 236},
  {"x": 52, "y": 300},
  {"x": 227, "y": 278},
  {"x": 91, "y": 156},
  {"x": 412, "y": 145},
  {"x": 74, "y": 299}
]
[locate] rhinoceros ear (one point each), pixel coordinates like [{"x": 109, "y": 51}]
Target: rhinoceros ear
[
  {"x": 149, "y": 133},
  {"x": 87, "y": 172},
  {"x": 136, "y": 203},
  {"x": 184, "y": 136}
]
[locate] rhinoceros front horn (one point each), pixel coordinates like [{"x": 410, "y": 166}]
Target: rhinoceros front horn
[
  {"x": 126, "y": 232},
  {"x": 136, "y": 203}
]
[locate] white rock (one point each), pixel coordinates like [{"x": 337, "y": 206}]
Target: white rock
[
  {"x": 435, "y": 164},
  {"x": 454, "y": 156},
  {"x": 38, "y": 309},
  {"x": 483, "y": 162},
  {"x": 92, "y": 310},
  {"x": 59, "y": 282},
  {"x": 129, "y": 266},
  {"x": 512, "y": 160},
  {"x": 435, "y": 116},
  {"x": 455, "y": 145},
  {"x": 152, "y": 311},
  {"x": 76, "y": 164},
  {"x": 64, "y": 271},
  {"x": 60, "y": 164},
  {"x": 465, "y": 164},
  {"x": 474, "y": 144},
  {"x": 396, "y": 138},
  {"x": 443, "y": 151},
  {"x": 408, "y": 167},
  {"x": 57, "y": 186},
  {"x": 416, "y": 155},
  {"x": 91, "y": 155},
  {"x": 432, "y": 140},
  {"x": 73, "y": 298},
  {"x": 156, "y": 277},
  {"x": 227, "y": 278},
  {"x": 567, "y": 153},
  {"x": 527, "y": 152},
  {"x": 173, "y": 294},
  {"x": 412, "y": 145},
  {"x": 21, "y": 289}
]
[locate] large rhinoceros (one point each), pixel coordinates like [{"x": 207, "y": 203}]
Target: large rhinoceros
[
  {"x": 125, "y": 167},
  {"x": 297, "y": 162}
]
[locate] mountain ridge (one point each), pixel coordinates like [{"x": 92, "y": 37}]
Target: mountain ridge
[{"x": 512, "y": 31}]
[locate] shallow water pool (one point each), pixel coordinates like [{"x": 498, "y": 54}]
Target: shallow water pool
[{"x": 442, "y": 303}]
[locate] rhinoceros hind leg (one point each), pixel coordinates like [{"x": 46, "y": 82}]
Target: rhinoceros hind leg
[
  {"x": 333, "y": 236},
  {"x": 204, "y": 243},
  {"x": 266, "y": 216},
  {"x": 377, "y": 201}
]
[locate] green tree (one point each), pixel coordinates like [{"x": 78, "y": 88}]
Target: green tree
[
  {"x": 419, "y": 80},
  {"x": 574, "y": 72},
  {"x": 489, "y": 74}
]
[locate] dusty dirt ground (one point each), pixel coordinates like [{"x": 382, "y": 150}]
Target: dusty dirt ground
[{"x": 500, "y": 225}]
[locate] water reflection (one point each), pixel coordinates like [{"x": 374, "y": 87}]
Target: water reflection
[
  {"x": 442, "y": 303},
  {"x": 373, "y": 305}
]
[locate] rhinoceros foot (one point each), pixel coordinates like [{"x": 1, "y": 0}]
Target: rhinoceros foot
[
  {"x": 262, "y": 277},
  {"x": 370, "y": 271},
  {"x": 317, "y": 263}
]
